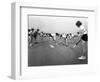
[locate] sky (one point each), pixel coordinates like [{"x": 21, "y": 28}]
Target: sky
[{"x": 56, "y": 24}]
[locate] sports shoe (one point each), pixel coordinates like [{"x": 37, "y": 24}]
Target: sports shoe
[{"x": 82, "y": 57}]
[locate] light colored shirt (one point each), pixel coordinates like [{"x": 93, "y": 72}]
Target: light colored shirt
[{"x": 83, "y": 29}]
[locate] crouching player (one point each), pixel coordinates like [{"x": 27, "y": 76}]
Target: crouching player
[{"x": 83, "y": 39}]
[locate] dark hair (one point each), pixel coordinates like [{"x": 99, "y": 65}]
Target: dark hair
[
  {"x": 37, "y": 29},
  {"x": 28, "y": 30},
  {"x": 78, "y": 23},
  {"x": 32, "y": 29}
]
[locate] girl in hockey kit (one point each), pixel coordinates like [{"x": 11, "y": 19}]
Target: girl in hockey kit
[{"x": 83, "y": 39}]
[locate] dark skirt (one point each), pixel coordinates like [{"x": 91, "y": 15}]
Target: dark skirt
[{"x": 84, "y": 37}]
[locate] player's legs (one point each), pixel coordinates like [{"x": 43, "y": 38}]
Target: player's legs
[{"x": 83, "y": 50}]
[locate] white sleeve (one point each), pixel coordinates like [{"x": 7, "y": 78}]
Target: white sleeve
[{"x": 84, "y": 29}]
